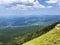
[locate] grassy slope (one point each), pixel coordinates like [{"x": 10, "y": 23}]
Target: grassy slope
[{"x": 50, "y": 38}]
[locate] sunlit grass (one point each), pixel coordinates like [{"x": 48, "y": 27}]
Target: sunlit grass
[{"x": 50, "y": 38}]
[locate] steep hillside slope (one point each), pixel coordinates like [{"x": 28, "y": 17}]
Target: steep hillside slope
[{"x": 50, "y": 38}]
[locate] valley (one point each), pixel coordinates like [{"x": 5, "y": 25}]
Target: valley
[{"x": 14, "y": 30}]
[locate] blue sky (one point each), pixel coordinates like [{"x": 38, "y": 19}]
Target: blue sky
[{"x": 29, "y": 7}]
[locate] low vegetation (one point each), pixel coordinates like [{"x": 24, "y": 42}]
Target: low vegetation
[
  {"x": 32, "y": 35},
  {"x": 50, "y": 38},
  {"x": 12, "y": 33}
]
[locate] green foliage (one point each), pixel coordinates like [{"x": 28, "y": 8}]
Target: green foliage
[
  {"x": 11, "y": 33},
  {"x": 36, "y": 33},
  {"x": 20, "y": 35},
  {"x": 39, "y": 32},
  {"x": 50, "y": 38}
]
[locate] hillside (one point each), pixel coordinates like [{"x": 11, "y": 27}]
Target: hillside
[
  {"x": 50, "y": 38},
  {"x": 10, "y": 33}
]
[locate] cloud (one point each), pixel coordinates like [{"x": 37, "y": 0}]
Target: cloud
[
  {"x": 49, "y": 6},
  {"x": 56, "y": 2},
  {"x": 12, "y": 1},
  {"x": 38, "y": 5},
  {"x": 22, "y": 4},
  {"x": 26, "y": 4},
  {"x": 52, "y": 1}
]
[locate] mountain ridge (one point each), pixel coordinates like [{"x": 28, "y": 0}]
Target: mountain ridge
[{"x": 50, "y": 38}]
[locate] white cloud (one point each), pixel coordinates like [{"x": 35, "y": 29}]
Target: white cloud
[
  {"x": 49, "y": 6},
  {"x": 52, "y": 1},
  {"x": 38, "y": 5},
  {"x": 25, "y": 4},
  {"x": 28, "y": 1},
  {"x": 7, "y": 1},
  {"x": 12, "y": 1},
  {"x": 21, "y": 7},
  {"x": 57, "y": 2}
]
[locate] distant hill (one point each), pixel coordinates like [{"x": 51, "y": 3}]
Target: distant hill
[
  {"x": 31, "y": 20},
  {"x": 50, "y": 38}
]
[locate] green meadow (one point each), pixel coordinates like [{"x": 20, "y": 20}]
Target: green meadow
[{"x": 50, "y": 38}]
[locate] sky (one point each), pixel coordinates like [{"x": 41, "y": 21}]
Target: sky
[{"x": 29, "y": 7}]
